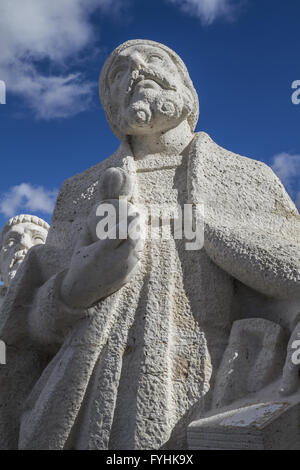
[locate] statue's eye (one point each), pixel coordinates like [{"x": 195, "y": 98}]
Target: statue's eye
[
  {"x": 155, "y": 58},
  {"x": 117, "y": 74},
  {"x": 11, "y": 242}
]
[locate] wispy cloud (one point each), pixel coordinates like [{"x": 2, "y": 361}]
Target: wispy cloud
[
  {"x": 27, "y": 198},
  {"x": 209, "y": 11},
  {"x": 35, "y": 33},
  {"x": 287, "y": 168}
]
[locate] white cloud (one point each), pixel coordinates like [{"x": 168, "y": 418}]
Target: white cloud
[
  {"x": 209, "y": 10},
  {"x": 55, "y": 32},
  {"x": 287, "y": 168},
  {"x": 27, "y": 198}
]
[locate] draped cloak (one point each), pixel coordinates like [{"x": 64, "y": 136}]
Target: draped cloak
[{"x": 132, "y": 371}]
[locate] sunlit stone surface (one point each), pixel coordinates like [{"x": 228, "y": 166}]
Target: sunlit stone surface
[
  {"x": 119, "y": 343},
  {"x": 18, "y": 235}
]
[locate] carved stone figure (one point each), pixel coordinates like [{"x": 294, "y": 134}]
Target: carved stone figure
[
  {"x": 17, "y": 375},
  {"x": 128, "y": 334},
  {"x": 18, "y": 235}
]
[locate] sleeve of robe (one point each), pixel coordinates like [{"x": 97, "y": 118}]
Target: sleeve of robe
[
  {"x": 32, "y": 310},
  {"x": 33, "y": 306},
  {"x": 252, "y": 228},
  {"x": 28, "y": 350}
]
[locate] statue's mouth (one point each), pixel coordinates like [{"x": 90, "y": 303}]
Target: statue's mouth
[
  {"x": 148, "y": 83},
  {"x": 149, "y": 79},
  {"x": 158, "y": 79}
]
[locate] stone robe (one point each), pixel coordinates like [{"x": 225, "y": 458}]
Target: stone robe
[
  {"x": 3, "y": 291},
  {"x": 134, "y": 370}
]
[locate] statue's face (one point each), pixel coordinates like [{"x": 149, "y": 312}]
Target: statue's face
[
  {"x": 147, "y": 91},
  {"x": 17, "y": 241}
]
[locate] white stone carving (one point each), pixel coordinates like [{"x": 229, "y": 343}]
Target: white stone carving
[
  {"x": 122, "y": 339},
  {"x": 18, "y": 235}
]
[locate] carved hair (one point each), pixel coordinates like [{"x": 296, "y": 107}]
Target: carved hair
[
  {"x": 20, "y": 219},
  {"x": 104, "y": 85}
]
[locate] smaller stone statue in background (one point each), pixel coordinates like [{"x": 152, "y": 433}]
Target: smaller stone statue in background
[{"x": 18, "y": 235}]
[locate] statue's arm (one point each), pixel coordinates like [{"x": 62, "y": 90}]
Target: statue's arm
[
  {"x": 32, "y": 308},
  {"x": 49, "y": 318},
  {"x": 267, "y": 263},
  {"x": 95, "y": 270},
  {"x": 270, "y": 264},
  {"x": 252, "y": 227}
]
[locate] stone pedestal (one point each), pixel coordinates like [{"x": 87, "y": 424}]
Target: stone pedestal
[{"x": 272, "y": 425}]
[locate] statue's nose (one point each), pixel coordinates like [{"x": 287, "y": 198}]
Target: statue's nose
[
  {"x": 25, "y": 242},
  {"x": 137, "y": 61}
]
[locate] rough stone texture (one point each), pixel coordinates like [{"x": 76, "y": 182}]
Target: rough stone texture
[
  {"x": 262, "y": 426},
  {"x": 253, "y": 359},
  {"x": 2, "y": 294},
  {"x": 133, "y": 337},
  {"x": 18, "y": 375},
  {"x": 18, "y": 235}
]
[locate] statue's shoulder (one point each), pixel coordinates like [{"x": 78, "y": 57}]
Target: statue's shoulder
[
  {"x": 78, "y": 191},
  {"x": 214, "y": 156},
  {"x": 76, "y": 199},
  {"x": 80, "y": 182},
  {"x": 232, "y": 180}
]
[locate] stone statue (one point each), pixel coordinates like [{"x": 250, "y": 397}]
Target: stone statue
[
  {"x": 128, "y": 335},
  {"x": 18, "y": 235}
]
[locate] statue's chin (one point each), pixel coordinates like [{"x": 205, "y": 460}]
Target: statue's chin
[{"x": 140, "y": 114}]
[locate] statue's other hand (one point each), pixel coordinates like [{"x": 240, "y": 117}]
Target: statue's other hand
[
  {"x": 290, "y": 381},
  {"x": 99, "y": 268}
]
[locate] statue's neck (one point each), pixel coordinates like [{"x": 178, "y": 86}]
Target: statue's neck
[{"x": 171, "y": 142}]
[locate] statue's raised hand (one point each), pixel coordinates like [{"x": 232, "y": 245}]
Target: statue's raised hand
[{"x": 102, "y": 263}]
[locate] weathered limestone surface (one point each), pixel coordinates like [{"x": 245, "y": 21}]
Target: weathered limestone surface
[
  {"x": 127, "y": 338},
  {"x": 242, "y": 415},
  {"x": 266, "y": 425},
  {"x": 17, "y": 376},
  {"x": 17, "y": 236},
  {"x": 254, "y": 358}
]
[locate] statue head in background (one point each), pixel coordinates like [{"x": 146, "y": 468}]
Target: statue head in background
[
  {"x": 18, "y": 235},
  {"x": 145, "y": 88}
]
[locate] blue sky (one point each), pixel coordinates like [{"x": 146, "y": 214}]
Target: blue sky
[{"x": 243, "y": 57}]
